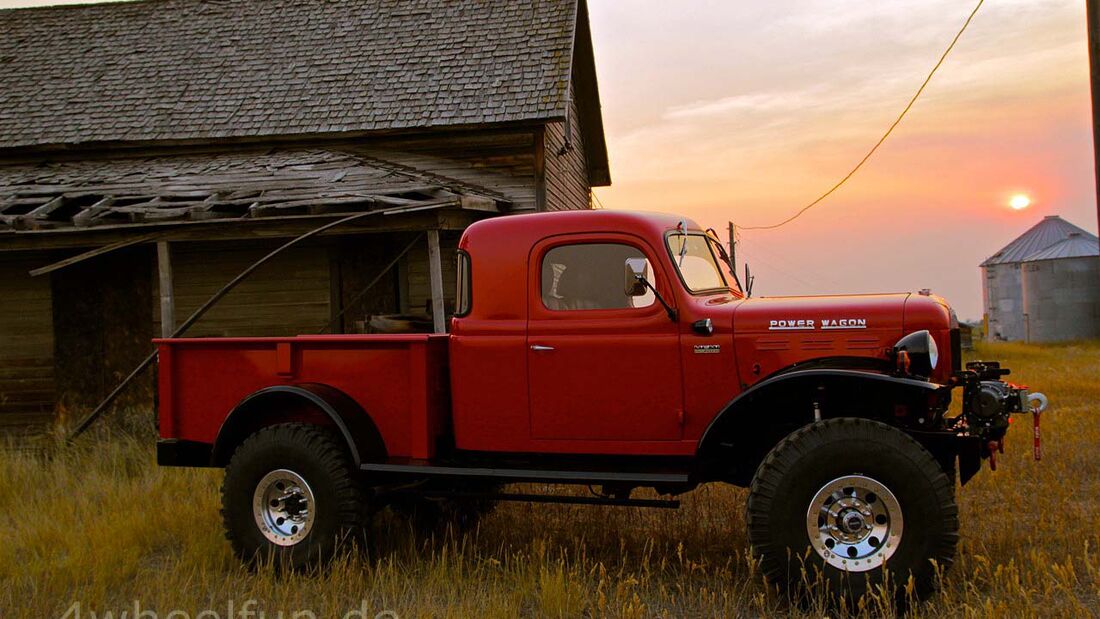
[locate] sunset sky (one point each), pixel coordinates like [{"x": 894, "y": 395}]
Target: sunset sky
[{"x": 747, "y": 111}]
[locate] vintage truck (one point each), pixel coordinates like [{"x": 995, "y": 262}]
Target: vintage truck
[{"x": 615, "y": 350}]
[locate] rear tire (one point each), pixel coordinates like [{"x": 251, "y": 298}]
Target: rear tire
[
  {"x": 290, "y": 496},
  {"x": 852, "y": 496}
]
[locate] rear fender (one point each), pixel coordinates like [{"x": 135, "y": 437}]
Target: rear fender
[
  {"x": 310, "y": 403},
  {"x": 743, "y": 432}
]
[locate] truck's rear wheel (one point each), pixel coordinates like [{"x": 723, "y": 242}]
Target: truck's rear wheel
[
  {"x": 290, "y": 496},
  {"x": 852, "y": 497}
]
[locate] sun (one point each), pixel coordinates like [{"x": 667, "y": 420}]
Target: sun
[{"x": 1019, "y": 202}]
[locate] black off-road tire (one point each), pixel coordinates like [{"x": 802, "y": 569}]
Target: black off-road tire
[
  {"x": 316, "y": 456},
  {"x": 796, "y": 474}
]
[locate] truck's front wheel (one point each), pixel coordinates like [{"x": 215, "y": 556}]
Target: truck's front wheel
[
  {"x": 854, "y": 498},
  {"x": 290, "y": 496}
]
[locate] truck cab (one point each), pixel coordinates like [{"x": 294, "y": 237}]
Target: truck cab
[{"x": 615, "y": 350}]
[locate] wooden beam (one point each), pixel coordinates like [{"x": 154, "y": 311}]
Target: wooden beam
[
  {"x": 435, "y": 268},
  {"x": 1092, "y": 15},
  {"x": 85, "y": 217},
  {"x": 540, "y": 169},
  {"x": 99, "y": 251},
  {"x": 167, "y": 290},
  {"x": 442, "y": 217}
]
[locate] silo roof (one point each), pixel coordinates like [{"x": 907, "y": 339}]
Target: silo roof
[
  {"x": 1052, "y": 230},
  {"x": 1074, "y": 246}
]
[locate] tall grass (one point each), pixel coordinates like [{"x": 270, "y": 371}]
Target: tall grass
[{"x": 100, "y": 525}]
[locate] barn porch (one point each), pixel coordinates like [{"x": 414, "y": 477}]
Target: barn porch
[{"x": 99, "y": 257}]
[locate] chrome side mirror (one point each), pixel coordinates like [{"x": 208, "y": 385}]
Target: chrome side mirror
[{"x": 636, "y": 277}]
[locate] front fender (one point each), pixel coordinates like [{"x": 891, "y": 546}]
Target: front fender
[{"x": 754, "y": 421}]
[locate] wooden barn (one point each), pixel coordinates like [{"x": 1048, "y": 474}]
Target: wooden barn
[{"x": 151, "y": 150}]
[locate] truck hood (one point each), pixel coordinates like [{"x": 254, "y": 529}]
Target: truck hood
[{"x": 772, "y": 334}]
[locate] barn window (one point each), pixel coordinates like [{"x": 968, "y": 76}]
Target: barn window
[
  {"x": 463, "y": 296},
  {"x": 591, "y": 276}
]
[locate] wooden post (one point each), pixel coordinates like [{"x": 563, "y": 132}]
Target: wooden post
[
  {"x": 435, "y": 268},
  {"x": 1092, "y": 14},
  {"x": 167, "y": 295}
]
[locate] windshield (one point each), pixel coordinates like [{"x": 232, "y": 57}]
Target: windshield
[{"x": 697, "y": 262}]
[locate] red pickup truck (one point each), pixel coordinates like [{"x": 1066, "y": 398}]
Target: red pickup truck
[{"x": 614, "y": 350}]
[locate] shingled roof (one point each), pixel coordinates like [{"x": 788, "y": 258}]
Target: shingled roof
[
  {"x": 196, "y": 70},
  {"x": 219, "y": 186}
]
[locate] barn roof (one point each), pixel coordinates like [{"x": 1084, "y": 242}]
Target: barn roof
[
  {"x": 199, "y": 70},
  {"x": 1050, "y": 231},
  {"x": 238, "y": 185}
]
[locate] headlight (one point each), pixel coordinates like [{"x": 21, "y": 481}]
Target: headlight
[{"x": 921, "y": 350}]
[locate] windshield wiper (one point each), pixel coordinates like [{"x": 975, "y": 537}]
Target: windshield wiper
[{"x": 726, "y": 259}]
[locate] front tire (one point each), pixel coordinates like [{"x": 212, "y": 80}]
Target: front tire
[
  {"x": 290, "y": 496},
  {"x": 855, "y": 497}
]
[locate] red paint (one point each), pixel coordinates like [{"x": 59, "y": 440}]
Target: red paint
[{"x": 627, "y": 381}]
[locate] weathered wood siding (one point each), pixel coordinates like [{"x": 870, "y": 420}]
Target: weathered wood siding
[
  {"x": 360, "y": 260},
  {"x": 567, "y": 185},
  {"x": 419, "y": 291},
  {"x": 287, "y": 296},
  {"x": 102, "y": 327},
  {"x": 503, "y": 161},
  {"x": 26, "y": 344}
]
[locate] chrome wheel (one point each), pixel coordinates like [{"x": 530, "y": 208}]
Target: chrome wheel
[
  {"x": 284, "y": 507},
  {"x": 854, "y": 523}
]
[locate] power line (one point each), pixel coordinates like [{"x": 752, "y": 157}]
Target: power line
[{"x": 884, "y": 136}]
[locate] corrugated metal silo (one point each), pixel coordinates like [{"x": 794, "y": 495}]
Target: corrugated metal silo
[
  {"x": 1061, "y": 291},
  {"x": 1003, "y": 286}
]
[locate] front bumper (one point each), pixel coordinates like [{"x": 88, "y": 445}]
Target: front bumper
[{"x": 988, "y": 405}]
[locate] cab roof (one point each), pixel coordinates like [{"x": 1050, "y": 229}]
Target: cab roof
[{"x": 541, "y": 225}]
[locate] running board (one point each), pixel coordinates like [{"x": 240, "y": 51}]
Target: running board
[
  {"x": 553, "y": 498},
  {"x": 534, "y": 475}
]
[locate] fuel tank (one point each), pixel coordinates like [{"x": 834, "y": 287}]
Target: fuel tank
[{"x": 773, "y": 333}]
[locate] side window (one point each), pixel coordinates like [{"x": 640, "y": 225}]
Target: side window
[
  {"x": 462, "y": 295},
  {"x": 591, "y": 276}
]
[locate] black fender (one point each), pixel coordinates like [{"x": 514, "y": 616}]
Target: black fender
[
  {"x": 270, "y": 405},
  {"x": 743, "y": 430}
]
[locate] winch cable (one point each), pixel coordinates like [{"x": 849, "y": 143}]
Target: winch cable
[{"x": 98, "y": 410}]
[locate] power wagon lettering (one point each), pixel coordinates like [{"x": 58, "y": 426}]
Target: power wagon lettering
[
  {"x": 791, "y": 325},
  {"x": 844, "y": 323},
  {"x": 810, "y": 325}
]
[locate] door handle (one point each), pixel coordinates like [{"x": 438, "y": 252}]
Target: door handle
[{"x": 541, "y": 348}]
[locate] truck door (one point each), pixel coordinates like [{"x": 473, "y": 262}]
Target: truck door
[{"x": 602, "y": 365}]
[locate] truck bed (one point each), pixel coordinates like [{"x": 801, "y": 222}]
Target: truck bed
[{"x": 400, "y": 380}]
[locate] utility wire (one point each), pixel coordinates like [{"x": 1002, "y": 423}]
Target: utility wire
[{"x": 884, "y": 136}]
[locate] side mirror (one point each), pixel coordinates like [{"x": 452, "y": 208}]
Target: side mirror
[{"x": 636, "y": 276}]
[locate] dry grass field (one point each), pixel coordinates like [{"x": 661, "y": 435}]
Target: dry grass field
[{"x": 93, "y": 529}]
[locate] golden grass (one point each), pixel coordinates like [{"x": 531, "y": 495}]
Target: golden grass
[{"x": 101, "y": 525}]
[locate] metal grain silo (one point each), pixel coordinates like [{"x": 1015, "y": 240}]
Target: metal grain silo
[
  {"x": 1003, "y": 283},
  {"x": 1061, "y": 291}
]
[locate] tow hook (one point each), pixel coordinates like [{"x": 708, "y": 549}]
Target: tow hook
[{"x": 1038, "y": 403}]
